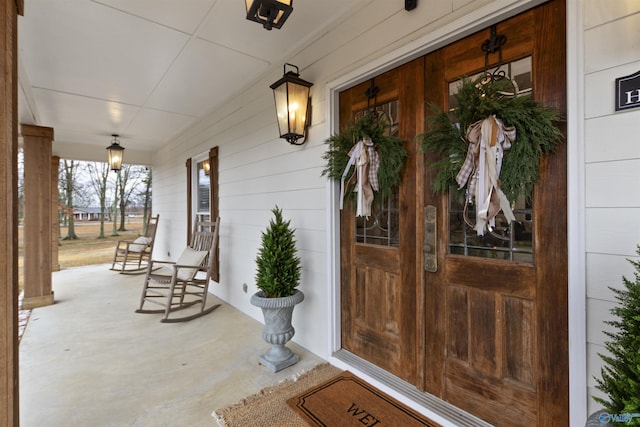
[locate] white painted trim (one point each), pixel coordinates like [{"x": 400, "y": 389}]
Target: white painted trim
[
  {"x": 333, "y": 228},
  {"x": 333, "y": 234},
  {"x": 98, "y": 153},
  {"x": 578, "y": 405},
  {"x": 485, "y": 16},
  {"x": 25, "y": 86}
]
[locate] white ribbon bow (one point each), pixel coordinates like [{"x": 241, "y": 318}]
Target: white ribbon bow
[{"x": 488, "y": 138}]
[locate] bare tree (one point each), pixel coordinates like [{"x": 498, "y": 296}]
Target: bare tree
[
  {"x": 146, "y": 195},
  {"x": 67, "y": 182},
  {"x": 114, "y": 207},
  {"x": 98, "y": 177},
  {"x": 129, "y": 178}
]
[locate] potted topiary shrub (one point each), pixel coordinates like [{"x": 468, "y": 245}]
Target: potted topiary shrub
[
  {"x": 621, "y": 373},
  {"x": 277, "y": 276}
]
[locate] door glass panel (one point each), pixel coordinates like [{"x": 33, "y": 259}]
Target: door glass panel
[
  {"x": 382, "y": 227},
  {"x": 513, "y": 242},
  {"x": 519, "y": 71}
]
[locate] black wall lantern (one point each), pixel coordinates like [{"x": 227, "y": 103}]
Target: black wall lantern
[
  {"x": 269, "y": 13},
  {"x": 291, "y": 95},
  {"x": 116, "y": 154}
]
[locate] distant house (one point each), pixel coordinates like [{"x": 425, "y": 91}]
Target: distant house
[{"x": 86, "y": 214}]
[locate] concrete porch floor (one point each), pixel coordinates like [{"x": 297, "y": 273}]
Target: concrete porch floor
[{"x": 89, "y": 360}]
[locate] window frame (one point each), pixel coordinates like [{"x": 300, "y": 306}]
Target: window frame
[{"x": 192, "y": 189}]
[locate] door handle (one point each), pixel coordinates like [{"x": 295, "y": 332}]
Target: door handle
[{"x": 429, "y": 243}]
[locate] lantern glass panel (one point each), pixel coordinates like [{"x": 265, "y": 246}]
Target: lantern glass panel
[
  {"x": 115, "y": 157},
  {"x": 280, "y": 96},
  {"x": 291, "y": 107},
  {"x": 298, "y": 98}
]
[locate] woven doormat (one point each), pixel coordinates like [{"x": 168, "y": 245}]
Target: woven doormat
[
  {"x": 346, "y": 400},
  {"x": 269, "y": 407}
]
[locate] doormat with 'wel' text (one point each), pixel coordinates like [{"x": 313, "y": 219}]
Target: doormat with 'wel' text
[{"x": 346, "y": 400}]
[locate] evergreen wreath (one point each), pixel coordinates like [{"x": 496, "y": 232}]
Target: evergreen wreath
[
  {"x": 536, "y": 134},
  {"x": 621, "y": 373},
  {"x": 390, "y": 149}
]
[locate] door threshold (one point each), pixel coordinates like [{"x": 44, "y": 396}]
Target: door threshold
[{"x": 455, "y": 415}]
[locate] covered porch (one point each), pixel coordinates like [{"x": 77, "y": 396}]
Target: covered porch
[
  {"x": 178, "y": 106},
  {"x": 89, "y": 359}
]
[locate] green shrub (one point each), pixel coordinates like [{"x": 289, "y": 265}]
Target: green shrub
[
  {"x": 278, "y": 266},
  {"x": 621, "y": 373}
]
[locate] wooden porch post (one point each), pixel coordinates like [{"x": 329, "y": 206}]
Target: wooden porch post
[
  {"x": 9, "y": 401},
  {"x": 37, "y": 148},
  {"x": 55, "y": 223}
]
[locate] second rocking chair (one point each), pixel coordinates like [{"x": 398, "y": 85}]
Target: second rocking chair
[
  {"x": 132, "y": 257},
  {"x": 184, "y": 283}
]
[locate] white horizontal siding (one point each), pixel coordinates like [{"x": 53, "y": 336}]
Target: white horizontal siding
[
  {"x": 612, "y": 137},
  {"x": 612, "y": 44},
  {"x": 271, "y": 161},
  {"x": 598, "y": 12},
  {"x": 258, "y": 170},
  {"x": 613, "y": 230},
  {"x": 613, "y": 184},
  {"x": 594, "y": 364},
  {"x": 612, "y": 167},
  {"x": 605, "y": 271},
  {"x": 597, "y": 312}
]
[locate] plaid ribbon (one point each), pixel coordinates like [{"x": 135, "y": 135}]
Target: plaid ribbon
[
  {"x": 488, "y": 138},
  {"x": 374, "y": 164},
  {"x": 366, "y": 160},
  {"x": 473, "y": 150}
]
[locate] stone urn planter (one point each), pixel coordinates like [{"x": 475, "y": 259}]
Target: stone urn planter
[
  {"x": 278, "y": 329},
  {"x": 277, "y": 276}
]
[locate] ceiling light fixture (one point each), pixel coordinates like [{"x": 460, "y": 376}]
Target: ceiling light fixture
[
  {"x": 269, "y": 13},
  {"x": 116, "y": 153},
  {"x": 293, "y": 105}
]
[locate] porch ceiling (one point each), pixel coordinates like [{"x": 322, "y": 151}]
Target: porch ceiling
[{"x": 146, "y": 69}]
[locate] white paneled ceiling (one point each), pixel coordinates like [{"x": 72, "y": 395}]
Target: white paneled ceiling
[{"x": 147, "y": 69}]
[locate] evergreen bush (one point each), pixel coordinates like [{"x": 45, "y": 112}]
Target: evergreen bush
[
  {"x": 621, "y": 373},
  {"x": 278, "y": 266}
]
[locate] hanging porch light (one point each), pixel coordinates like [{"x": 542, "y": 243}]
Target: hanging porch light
[
  {"x": 291, "y": 95},
  {"x": 269, "y": 13},
  {"x": 115, "y": 153}
]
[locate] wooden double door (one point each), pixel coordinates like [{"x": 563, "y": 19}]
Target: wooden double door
[{"x": 478, "y": 322}]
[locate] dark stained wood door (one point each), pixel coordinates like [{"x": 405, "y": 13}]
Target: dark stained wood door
[
  {"x": 487, "y": 330},
  {"x": 496, "y": 319},
  {"x": 378, "y": 255}
]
